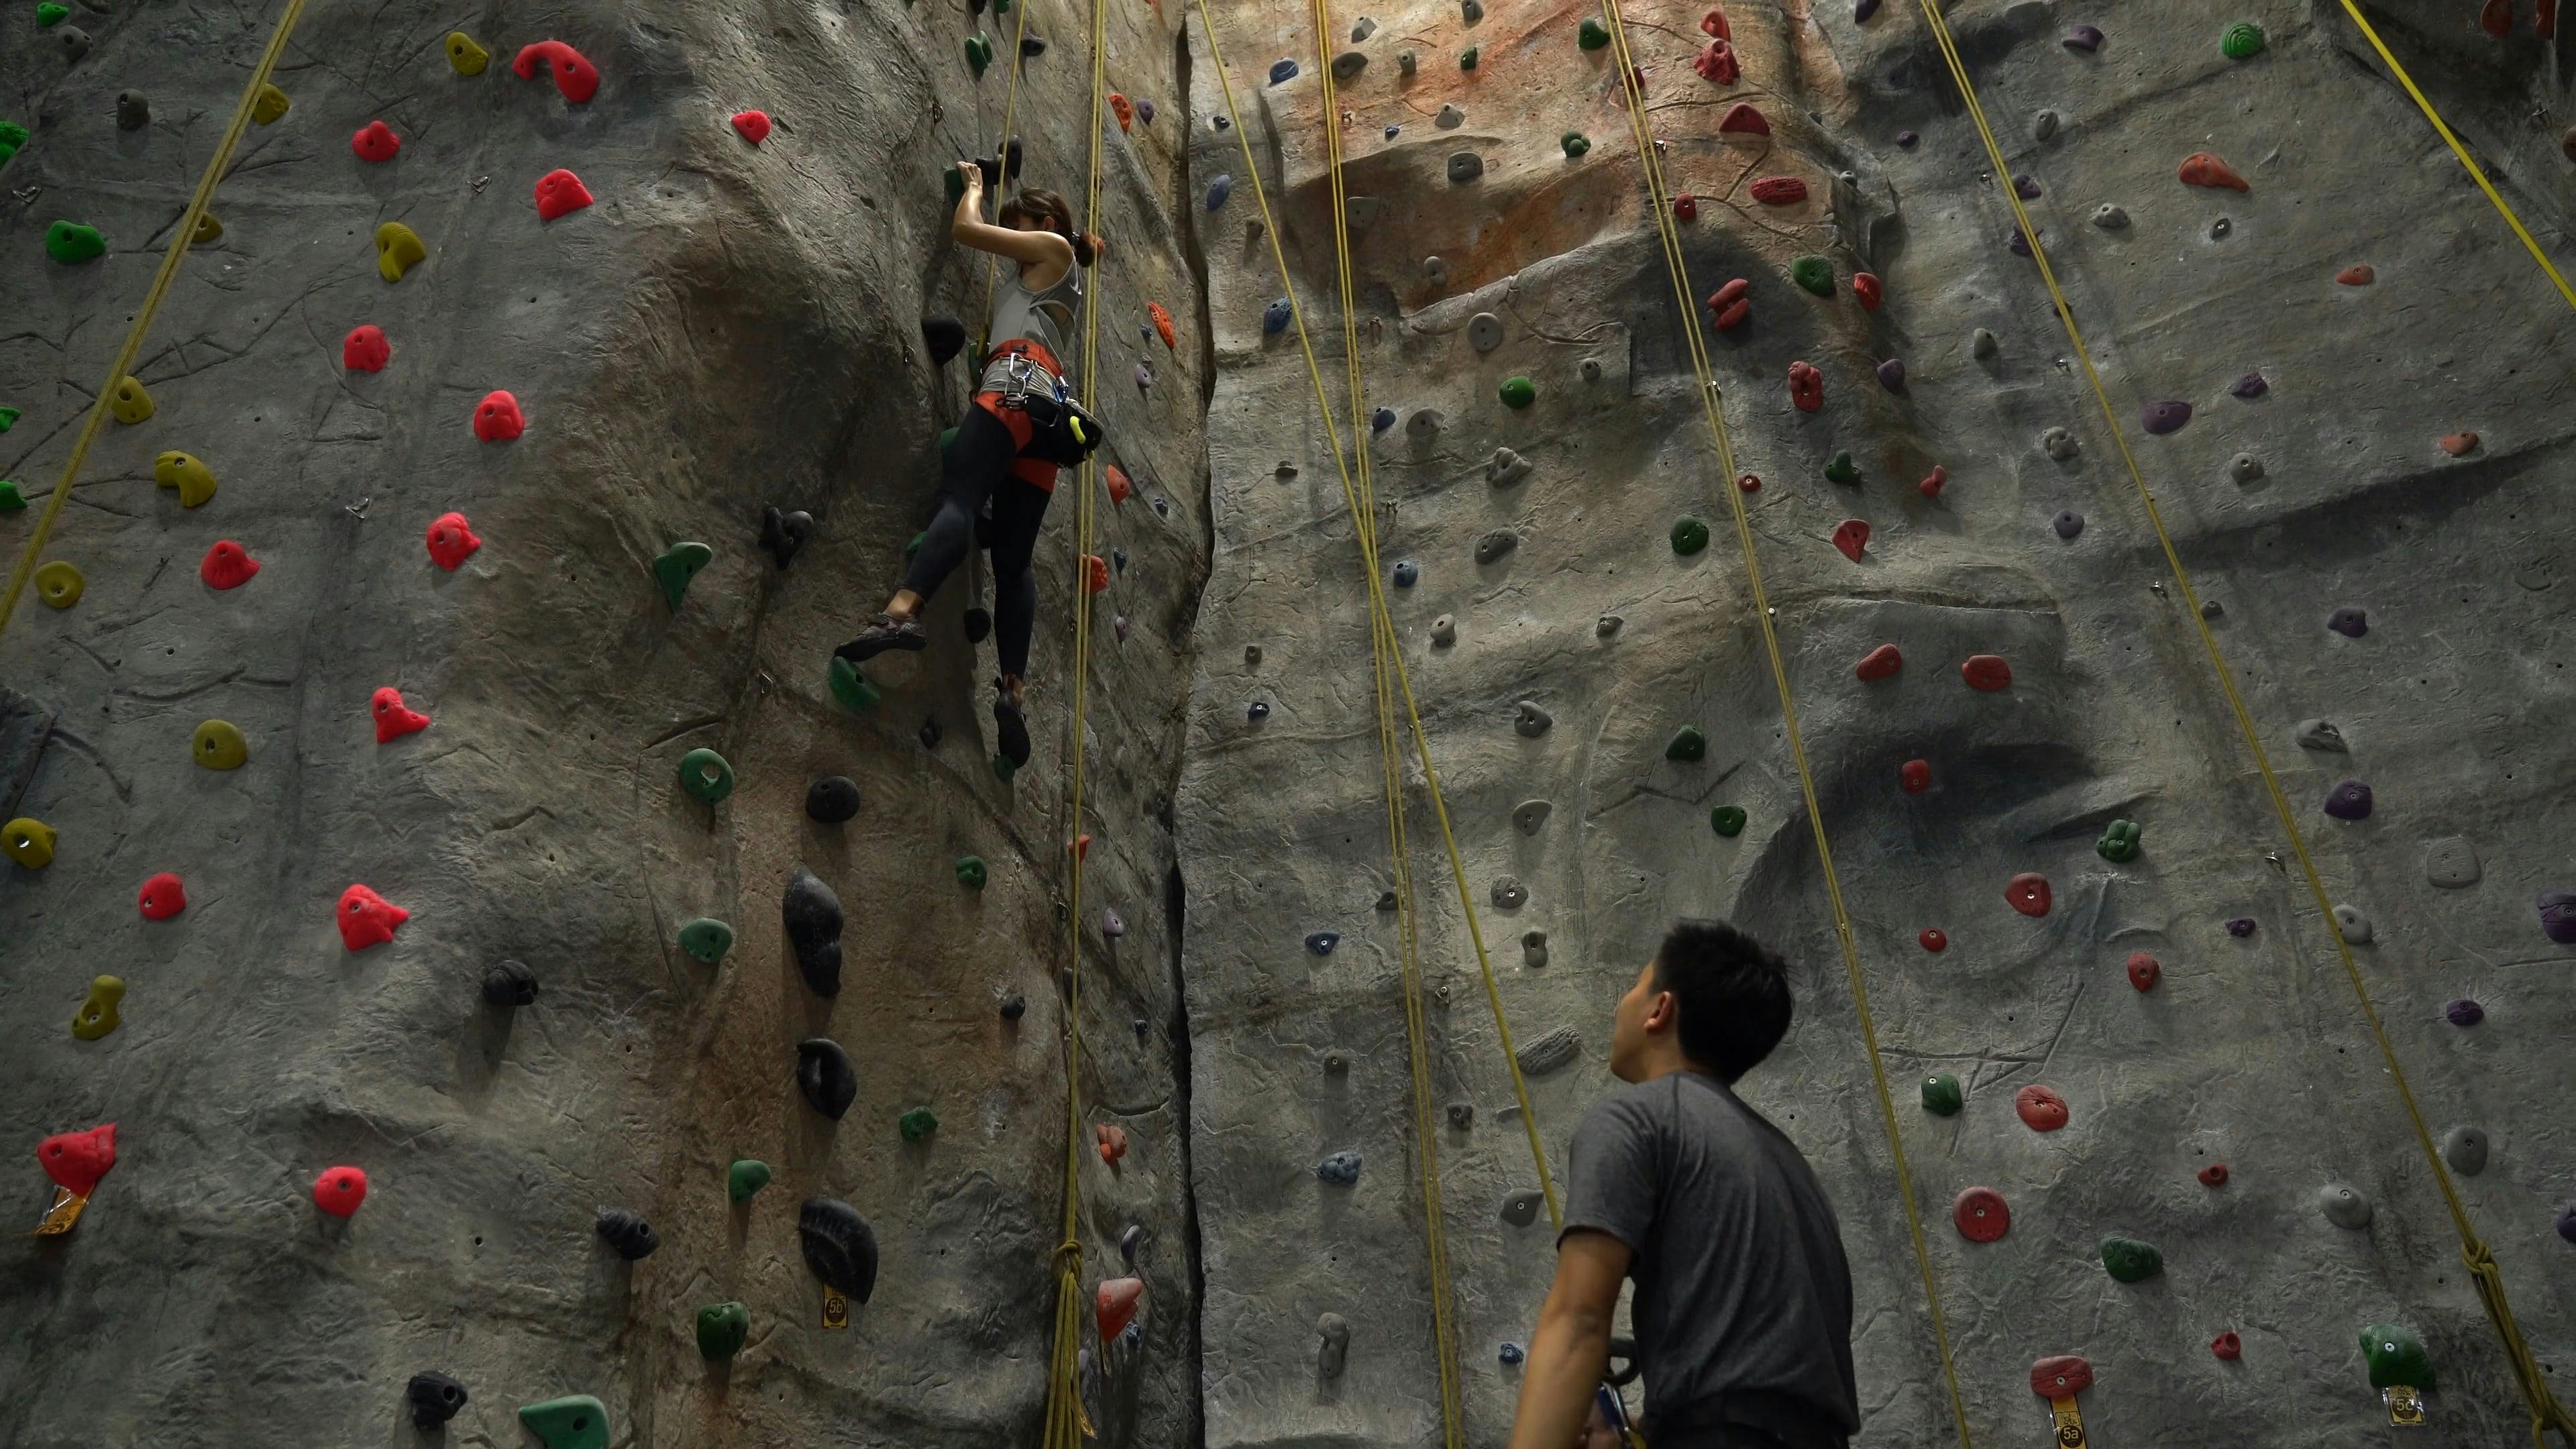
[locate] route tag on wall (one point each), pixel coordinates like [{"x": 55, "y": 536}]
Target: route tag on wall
[
  {"x": 2405, "y": 1406},
  {"x": 63, "y": 1214},
  {"x": 836, "y": 1308}
]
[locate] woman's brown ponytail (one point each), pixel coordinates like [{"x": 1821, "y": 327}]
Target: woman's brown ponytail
[{"x": 1055, "y": 214}]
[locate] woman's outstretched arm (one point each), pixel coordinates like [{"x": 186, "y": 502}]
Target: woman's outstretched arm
[{"x": 1032, "y": 248}]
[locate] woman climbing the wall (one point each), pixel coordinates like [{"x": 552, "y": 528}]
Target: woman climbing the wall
[{"x": 1010, "y": 443}]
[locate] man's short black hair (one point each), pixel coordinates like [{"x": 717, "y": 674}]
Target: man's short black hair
[{"x": 1733, "y": 993}]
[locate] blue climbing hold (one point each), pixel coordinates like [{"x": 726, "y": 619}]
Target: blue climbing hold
[
  {"x": 1283, "y": 72},
  {"x": 1406, "y": 573},
  {"x": 1393, "y": 131},
  {"x": 1323, "y": 942},
  {"x": 1341, "y": 1167},
  {"x": 1510, "y": 1354},
  {"x": 2240, "y": 926},
  {"x": 1276, "y": 317},
  {"x": 1381, "y": 420},
  {"x": 1218, "y": 190}
]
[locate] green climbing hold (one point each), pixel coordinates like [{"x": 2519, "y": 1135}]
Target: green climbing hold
[
  {"x": 71, "y": 243},
  {"x": 1842, "y": 469},
  {"x": 2241, "y": 41},
  {"x": 2396, "y": 1357},
  {"x": 11, "y": 500},
  {"x": 914, "y": 546},
  {"x": 1813, "y": 273},
  {"x": 677, "y": 565},
  {"x": 1467, "y": 58},
  {"x": 723, "y": 1328},
  {"x": 1519, "y": 392},
  {"x": 2119, "y": 842},
  {"x": 1689, "y": 535},
  {"x": 1941, "y": 1095},
  {"x": 2131, "y": 1261},
  {"x": 971, "y": 872},
  {"x": 704, "y": 774},
  {"x": 1575, "y": 143},
  {"x": 1688, "y": 744},
  {"x": 578, "y": 1422},
  {"x": 947, "y": 435},
  {"x": 1727, "y": 820},
  {"x": 706, "y": 940},
  {"x": 12, "y": 136},
  {"x": 9, "y": 418},
  {"x": 50, "y": 13},
  {"x": 1004, "y": 767},
  {"x": 746, "y": 1177},
  {"x": 1592, "y": 34},
  {"x": 918, "y": 1123},
  {"x": 852, "y": 688},
  {"x": 979, "y": 53}
]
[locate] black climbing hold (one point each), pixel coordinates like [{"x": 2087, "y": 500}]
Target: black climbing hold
[
  {"x": 931, "y": 733},
  {"x": 831, "y": 800},
  {"x": 945, "y": 337},
  {"x": 1257, "y": 711},
  {"x": 813, "y": 918},
  {"x": 510, "y": 983},
  {"x": 839, "y": 1247},
  {"x": 825, "y": 1076},
  {"x": 978, "y": 623},
  {"x": 2348, "y": 621},
  {"x": 2464, "y": 1012},
  {"x": 628, "y": 1233},
  {"x": 1014, "y": 1006},
  {"x": 435, "y": 1399},
  {"x": 1323, "y": 942},
  {"x": 1012, "y": 157},
  {"x": 1462, "y": 1115},
  {"x": 133, "y": 112},
  {"x": 784, "y": 533},
  {"x": 1030, "y": 49}
]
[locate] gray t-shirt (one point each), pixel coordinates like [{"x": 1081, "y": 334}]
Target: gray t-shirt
[{"x": 1741, "y": 1282}]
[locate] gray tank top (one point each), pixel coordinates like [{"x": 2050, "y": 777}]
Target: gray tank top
[{"x": 1045, "y": 318}]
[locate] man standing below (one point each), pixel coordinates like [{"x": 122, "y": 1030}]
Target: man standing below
[{"x": 1743, "y": 1307}]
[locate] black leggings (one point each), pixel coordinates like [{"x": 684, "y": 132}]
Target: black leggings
[{"x": 978, "y": 466}]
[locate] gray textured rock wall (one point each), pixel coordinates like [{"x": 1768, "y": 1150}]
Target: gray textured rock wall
[
  {"x": 2251, "y": 1050},
  {"x": 726, "y": 328}
]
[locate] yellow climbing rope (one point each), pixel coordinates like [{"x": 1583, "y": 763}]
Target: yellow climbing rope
[
  {"x": 1712, "y": 404},
  {"x": 180, "y": 239},
  {"x": 1002, "y": 173},
  {"x": 2546, "y": 1412},
  {"x": 2452, "y": 141}
]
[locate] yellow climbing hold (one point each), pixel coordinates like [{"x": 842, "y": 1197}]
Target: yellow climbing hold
[
  {"x": 207, "y": 229},
  {"x": 131, "y": 402},
  {"x": 59, "y": 584},
  {"x": 465, "y": 55},
  {"x": 187, "y": 473},
  {"x": 28, "y": 841},
  {"x": 97, "y": 1015},
  {"x": 272, "y": 103},
  {"x": 219, "y": 745},
  {"x": 397, "y": 248}
]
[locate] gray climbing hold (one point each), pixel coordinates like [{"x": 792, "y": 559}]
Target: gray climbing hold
[
  {"x": 1444, "y": 631},
  {"x": 2110, "y": 216},
  {"x": 1472, "y": 10},
  {"x": 1323, "y": 942},
  {"x": 1425, "y": 423},
  {"x": 1982, "y": 343},
  {"x": 1529, "y": 815},
  {"x": 1590, "y": 367},
  {"x": 1342, "y": 1168},
  {"x": 1508, "y": 893},
  {"x": 1462, "y": 1115},
  {"x": 1533, "y": 948},
  {"x": 1404, "y": 61},
  {"x": 510, "y": 983},
  {"x": 1465, "y": 166},
  {"x": 1386, "y": 900},
  {"x": 825, "y": 1076},
  {"x": 1337, "y": 1064},
  {"x": 2451, "y": 862},
  {"x": 1348, "y": 64},
  {"x": 1362, "y": 29},
  {"x": 2209, "y": 609},
  {"x": 1360, "y": 210},
  {"x": 812, "y": 915},
  {"x": 2244, "y": 467},
  {"x": 1495, "y": 544},
  {"x": 1546, "y": 1053},
  {"x": 1530, "y": 720},
  {"x": 2044, "y": 125},
  {"x": 1506, "y": 468},
  {"x": 2353, "y": 923},
  {"x": 73, "y": 40},
  {"x": 2465, "y": 1149},
  {"x": 627, "y": 1233},
  {"x": 1334, "y": 1349},
  {"x": 2348, "y": 621},
  {"x": 2059, "y": 444},
  {"x": 2068, "y": 523},
  {"x": 1434, "y": 270},
  {"x": 2345, "y": 1207},
  {"x": 1485, "y": 331},
  {"x": 133, "y": 111},
  {"x": 1607, "y": 625},
  {"x": 1450, "y": 118},
  {"x": 1520, "y": 1209},
  {"x": 2322, "y": 736}
]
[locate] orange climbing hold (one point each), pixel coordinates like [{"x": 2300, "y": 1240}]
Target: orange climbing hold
[
  {"x": 1716, "y": 62},
  {"x": 1114, "y": 1307},
  {"x": 1743, "y": 118},
  {"x": 1987, "y": 672},
  {"x": 1852, "y": 536},
  {"x": 2201, "y": 168},
  {"x": 1867, "y": 287},
  {"x": 1119, "y": 487},
  {"x": 1163, "y": 324},
  {"x": 560, "y": 193},
  {"x": 1125, "y": 111},
  {"x": 2357, "y": 275},
  {"x": 2459, "y": 445},
  {"x": 1111, "y": 1138},
  {"x": 1095, "y": 573},
  {"x": 576, "y": 77},
  {"x": 1806, "y": 387},
  {"x": 1779, "y": 190}
]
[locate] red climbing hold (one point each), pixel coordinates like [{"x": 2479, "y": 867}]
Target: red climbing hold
[
  {"x": 2357, "y": 275},
  {"x": 1111, "y": 1137},
  {"x": 2496, "y": 18},
  {"x": 1932, "y": 940},
  {"x": 1742, "y": 117},
  {"x": 1095, "y": 573},
  {"x": 339, "y": 1190},
  {"x": 2144, "y": 970},
  {"x": 1806, "y": 387},
  {"x": 2062, "y": 1377},
  {"x": 376, "y": 142},
  {"x": 1879, "y": 663},
  {"x": 77, "y": 1160},
  {"x": 1115, "y": 1305},
  {"x": 2544, "y": 19},
  {"x": 367, "y": 919},
  {"x": 1866, "y": 286},
  {"x": 1163, "y": 325},
  {"x": 2029, "y": 894},
  {"x": 1686, "y": 207},
  {"x": 1988, "y": 672},
  {"x": 2214, "y": 1175},
  {"x": 1982, "y": 1214},
  {"x": 752, "y": 126},
  {"x": 1716, "y": 62},
  {"x": 450, "y": 541},
  {"x": 2227, "y": 1346},
  {"x": 365, "y": 349},
  {"x": 1852, "y": 536},
  {"x": 1748, "y": 482},
  {"x": 2041, "y": 1109},
  {"x": 1930, "y": 487},
  {"x": 577, "y": 78},
  {"x": 393, "y": 718},
  {"x": 497, "y": 418},
  {"x": 1124, "y": 110},
  {"x": 2200, "y": 168},
  {"x": 2459, "y": 445},
  {"x": 1714, "y": 23},
  {"x": 161, "y": 897},
  {"x": 1915, "y": 776},
  {"x": 1779, "y": 190},
  {"x": 1119, "y": 487},
  {"x": 227, "y": 565},
  {"x": 560, "y": 193},
  {"x": 1728, "y": 306}
]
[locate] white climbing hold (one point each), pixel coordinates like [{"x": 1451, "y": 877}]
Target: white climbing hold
[
  {"x": 2354, "y": 925},
  {"x": 2059, "y": 444},
  {"x": 1982, "y": 343},
  {"x": 1551, "y": 1051},
  {"x": 1434, "y": 270},
  {"x": 2465, "y": 1149},
  {"x": 1506, "y": 468},
  {"x": 2451, "y": 862},
  {"x": 2244, "y": 467},
  {"x": 2044, "y": 125},
  {"x": 1450, "y": 118},
  {"x": 1424, "y": 423},
  {"x": 1529, "y": 815},
  {"x": 1530, "y": 720},
  {"x": 1485, "y": 331},
  {"x": 2321, "y": 735},
  {"x": 2110, "y": 217},
  {"x": 2345, "y": 1207},
  {"x": 1444, "y": 631}
]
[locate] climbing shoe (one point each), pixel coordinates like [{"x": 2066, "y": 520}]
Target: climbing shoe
[
  {"x": 1013, "y": 730},
  {"x": 887, "y": 632}
]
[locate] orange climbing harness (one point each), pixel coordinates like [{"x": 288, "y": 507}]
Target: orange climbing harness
[
  {"x": 2546, "y": 1412},
  {"x": 180, "y": 240},
  {"x": 1712, "y": 401}
]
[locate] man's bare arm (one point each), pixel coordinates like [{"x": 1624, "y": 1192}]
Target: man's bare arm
[{"x": 1570, "y": 1349}]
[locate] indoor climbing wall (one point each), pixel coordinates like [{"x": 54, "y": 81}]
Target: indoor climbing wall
[
  {"x": 2149, "y": 1129},
  {"x": 501, "y": 966}
]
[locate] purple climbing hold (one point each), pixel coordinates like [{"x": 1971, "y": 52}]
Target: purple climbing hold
[
  {"x": 1891, "y": 374},
  {"x": 2241, "y": 926},
  {"x": 1218, "y": 190},
  {"x": 2026, "y": 187},
  {"x": 1118, "y": 625},
  {"x": 2017, "y": 244},
  {"x": 1907, "y": 139},
  {"x": 2465, "y": 1012},
  {"x": 1112, "y": 924},
  {"x": 2251, "y": 385},
  {"x": 2164, "y": 417},
  {"x": 2558, "y": 916},
  {"x": 2567, "y": 1222},
  {"x": 2087, "y": 38},
  {"x": 1862, "y": 10},
  {"x": 1283, "y": 72},
  {"x": 2348, "y": 621},
  {"x": 1323, "y": 942},
  {"x": 1145, "y": 111},
  {"x": 2348, "y": 800},
  {"x": 2068, "y": 523}
]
